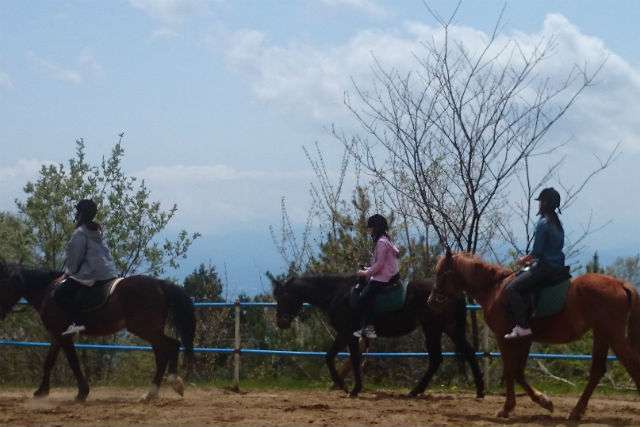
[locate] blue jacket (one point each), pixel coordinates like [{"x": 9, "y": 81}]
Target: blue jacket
[{"x": 547, "y": 244}]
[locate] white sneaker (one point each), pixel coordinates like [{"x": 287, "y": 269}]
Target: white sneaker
[
  {"x": 74, "y": 329},
  {"x": 518, "y": 332},
  {"x": 370, "y": 332}
]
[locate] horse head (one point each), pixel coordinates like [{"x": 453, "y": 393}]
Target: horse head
[
  {"x": 447, "y": 287},
  {"x": 288, "y": 304},
  {"x": 10, "y": 289}
]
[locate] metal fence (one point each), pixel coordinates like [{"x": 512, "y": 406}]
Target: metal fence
[{"x": 237, "y": 350}]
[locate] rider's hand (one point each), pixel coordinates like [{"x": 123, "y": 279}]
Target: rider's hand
[
  {"x": 526, "y": 260},
  {"x": 361, "y": 273}
]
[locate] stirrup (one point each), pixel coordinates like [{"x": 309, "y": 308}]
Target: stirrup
[{"x": 74, "y": 329}]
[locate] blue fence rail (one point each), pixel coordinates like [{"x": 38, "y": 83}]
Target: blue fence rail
[{"x": 238, "y": 350}]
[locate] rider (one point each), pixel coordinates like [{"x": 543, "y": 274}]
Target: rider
[
  {"x": 545, "y": 260},
  {"x": 88, "y": 260},
  {"x": 384, "y": 271}
]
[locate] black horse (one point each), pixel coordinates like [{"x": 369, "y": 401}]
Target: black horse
[
  {"x": 332, "y": 295},
  {"x": 140, "y": 304}
]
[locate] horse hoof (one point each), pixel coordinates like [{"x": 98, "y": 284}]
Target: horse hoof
[
  {"x": 153, "y": 392},
  {"x": 339, "y": 387},
  {"x": 353, "y": 395},
  {"x": 575, "y": 415},
  {"x": 176, "y": 384},
  {"x": 503, "y": 414},
  {"x": 80, "y": 398},
  {"x": 546, "y": 403},
  {"x": 39, "y": 394}
]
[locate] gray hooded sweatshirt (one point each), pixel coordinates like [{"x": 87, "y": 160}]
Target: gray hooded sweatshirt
[{"x": 88, "y": 258}]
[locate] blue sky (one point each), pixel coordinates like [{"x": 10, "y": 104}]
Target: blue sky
[{"x": 217, "y": 99}]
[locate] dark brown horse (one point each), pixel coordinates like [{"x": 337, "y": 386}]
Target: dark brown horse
[
  {"x": 331, "y": 294},
  {"x": 139, "y": 303},
  {"x": 608, "y": 306}
]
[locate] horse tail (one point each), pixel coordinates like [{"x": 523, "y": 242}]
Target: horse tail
[
  {"x": 183, "y": 313},
  {"x": 633, "y": 328}
]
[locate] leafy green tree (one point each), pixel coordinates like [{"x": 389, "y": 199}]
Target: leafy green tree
[
  {"x": 203, "y": 284},
  {"x": 594, "y": 266},
  {"x": 627, "y": 269},
  {"x": 131, "y": 221},
  {"x": 17, "y": 241},
  {"x": 38, "y": 233}
]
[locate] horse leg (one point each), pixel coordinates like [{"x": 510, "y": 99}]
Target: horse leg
[
  {"x": 72, "y": 357},
  {"x": 354, "y": 355},
  {"x": 513, "y": 358},
  {"x": 173, "y": 379},
  {"x": 521, "y": 352},
  {"x": 52, "y": 355},
  {"x": 470, "y": 356},
  {"x": 597, "y": 371},
  {"x": 432, "y": 341},
  {"x": 346, "y": 365},
  {"x": 160, "y": 354},
  {"x": 330, "y": 358}
]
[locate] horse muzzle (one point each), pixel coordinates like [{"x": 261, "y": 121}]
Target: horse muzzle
[
  {"x": 437, "y": 301},
  {"x": 283, "y": 321}
]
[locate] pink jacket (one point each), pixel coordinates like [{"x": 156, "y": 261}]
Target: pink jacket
[{"x": 385, "y": 260}]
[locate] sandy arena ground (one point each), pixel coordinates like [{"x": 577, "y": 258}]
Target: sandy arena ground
[{"x": 112, "y": 406}]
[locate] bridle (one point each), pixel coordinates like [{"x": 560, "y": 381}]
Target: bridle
[{"x": 287, "y": 317}]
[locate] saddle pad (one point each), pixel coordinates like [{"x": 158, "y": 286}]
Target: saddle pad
[
  {"x": 391, "y": 300},
  {"x": 94, "y": 297},
  {"x": 550, "y": 300}
]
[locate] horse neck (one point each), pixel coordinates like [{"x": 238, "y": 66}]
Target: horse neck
[
  {"x": 482, "y": 281},
  {"x": 35, "y": 284},
  {"x": 318, "y": 291}
]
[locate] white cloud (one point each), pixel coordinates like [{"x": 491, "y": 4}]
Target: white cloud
[
  {"x": 171, "y": 10},
  {"x": 299, "y": 79},
  {"x": 87, "y": 68},
  {"x": 14, "y": 177},
  {"x": 219, "y": 197},
  {"x": 88, "y": 61},
  {"x": 369, "y": 7},
  {"x": 5, "y": 81},
  {"x": 164, "y": 33},
  {"x": 55, "y": 71}
]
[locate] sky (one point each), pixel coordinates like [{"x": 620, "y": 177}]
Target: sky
[{"x": 217, "y": 100}]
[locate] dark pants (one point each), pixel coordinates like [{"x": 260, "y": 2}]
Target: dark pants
[
  {"x": 65, "y": 297},
  {"x": 519, "y": 289},
  {"x": 367, "y": 298}
]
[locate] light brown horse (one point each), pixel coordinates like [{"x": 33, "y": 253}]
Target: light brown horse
[{"x": 606, "y": 305}]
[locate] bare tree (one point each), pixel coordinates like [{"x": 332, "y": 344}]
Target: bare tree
[{"x": 448, "y": 139}]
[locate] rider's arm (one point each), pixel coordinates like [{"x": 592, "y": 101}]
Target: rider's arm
[{"x": 76, "y": 249}]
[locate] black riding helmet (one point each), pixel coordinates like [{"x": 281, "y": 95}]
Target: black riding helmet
[
  {"x": 551, "y": 197},
  {"x": 378, "y": 223},
  {"x": 87, "y": 208}
]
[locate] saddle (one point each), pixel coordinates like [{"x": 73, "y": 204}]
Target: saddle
[
  {"x": 549, "y": 300},
  {"x": 91, "y": 298},
  {"x": 388, "y": 298}
]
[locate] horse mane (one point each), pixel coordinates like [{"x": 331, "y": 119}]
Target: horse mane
[
  {"x": 35, "y": 278},
  {"x": 320, "y": 289},
  {"x": 472, "y": 265}
]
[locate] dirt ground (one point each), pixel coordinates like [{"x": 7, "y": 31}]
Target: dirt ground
[{"x": 113, "y": 406}]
